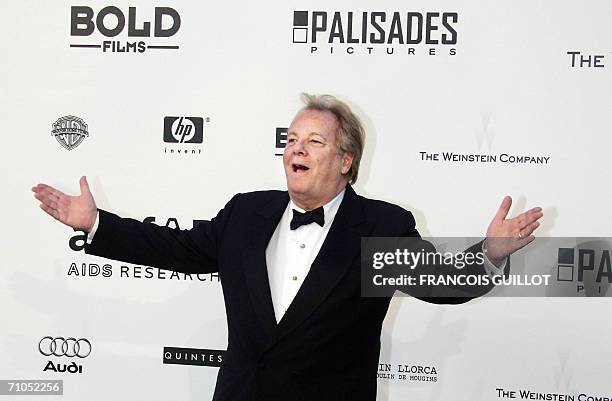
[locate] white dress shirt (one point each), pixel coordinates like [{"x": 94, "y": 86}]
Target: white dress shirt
[{"x": 291, "y": 252}]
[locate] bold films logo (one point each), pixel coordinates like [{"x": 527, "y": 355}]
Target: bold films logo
[
  {"x": 380, "y": 32},
  {"x": 588, "y": 266},
  {"x": 113, "y": 30},
  {"x": 69, "y": 131}
]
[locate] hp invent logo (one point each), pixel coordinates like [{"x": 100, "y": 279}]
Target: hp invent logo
[{"x": 183, "y": 129}]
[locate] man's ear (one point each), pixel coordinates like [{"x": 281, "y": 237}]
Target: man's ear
[{"x": 347, "y": 162}]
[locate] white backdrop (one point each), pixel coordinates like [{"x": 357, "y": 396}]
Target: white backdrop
[{"x": 509, "y": 89}]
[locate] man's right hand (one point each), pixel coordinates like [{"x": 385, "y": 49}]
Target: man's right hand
[{"x": 78, "y": 212}]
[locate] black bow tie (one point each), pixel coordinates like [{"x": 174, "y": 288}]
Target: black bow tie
[{"x": 313, "y": 216}]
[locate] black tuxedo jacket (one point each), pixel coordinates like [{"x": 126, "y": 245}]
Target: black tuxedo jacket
[{"x": 326, "y": 346}]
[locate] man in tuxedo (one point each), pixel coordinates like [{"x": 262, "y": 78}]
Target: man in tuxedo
[{"x": 289, "y": 263}]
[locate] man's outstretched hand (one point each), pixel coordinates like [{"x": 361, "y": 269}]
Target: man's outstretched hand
[
  {"x": 78, "y": 212},
  {"x": 505, "y": 236}
]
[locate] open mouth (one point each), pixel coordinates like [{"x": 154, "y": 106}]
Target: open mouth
[{"x": 298, "y": 167}]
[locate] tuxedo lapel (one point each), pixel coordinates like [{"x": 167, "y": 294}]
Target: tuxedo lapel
[
  {"x": 338, "y": 251},
  {"x": 260, "y": 231}
]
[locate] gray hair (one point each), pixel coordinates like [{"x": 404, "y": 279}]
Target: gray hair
[{"x": 350, "y": 136}]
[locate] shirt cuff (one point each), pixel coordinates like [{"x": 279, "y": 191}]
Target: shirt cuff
[
  {"x": 91, "y": 233},
  {"x": 490, "y": 267}
]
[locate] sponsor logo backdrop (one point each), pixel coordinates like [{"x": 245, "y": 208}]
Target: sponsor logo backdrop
[{"x": 170, "y": 109}]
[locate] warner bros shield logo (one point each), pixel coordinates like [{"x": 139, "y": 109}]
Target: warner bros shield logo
[{"x": 70, "y": 131}]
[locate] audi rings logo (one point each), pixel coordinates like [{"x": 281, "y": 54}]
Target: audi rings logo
[{"x": 60, "y": 346}]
